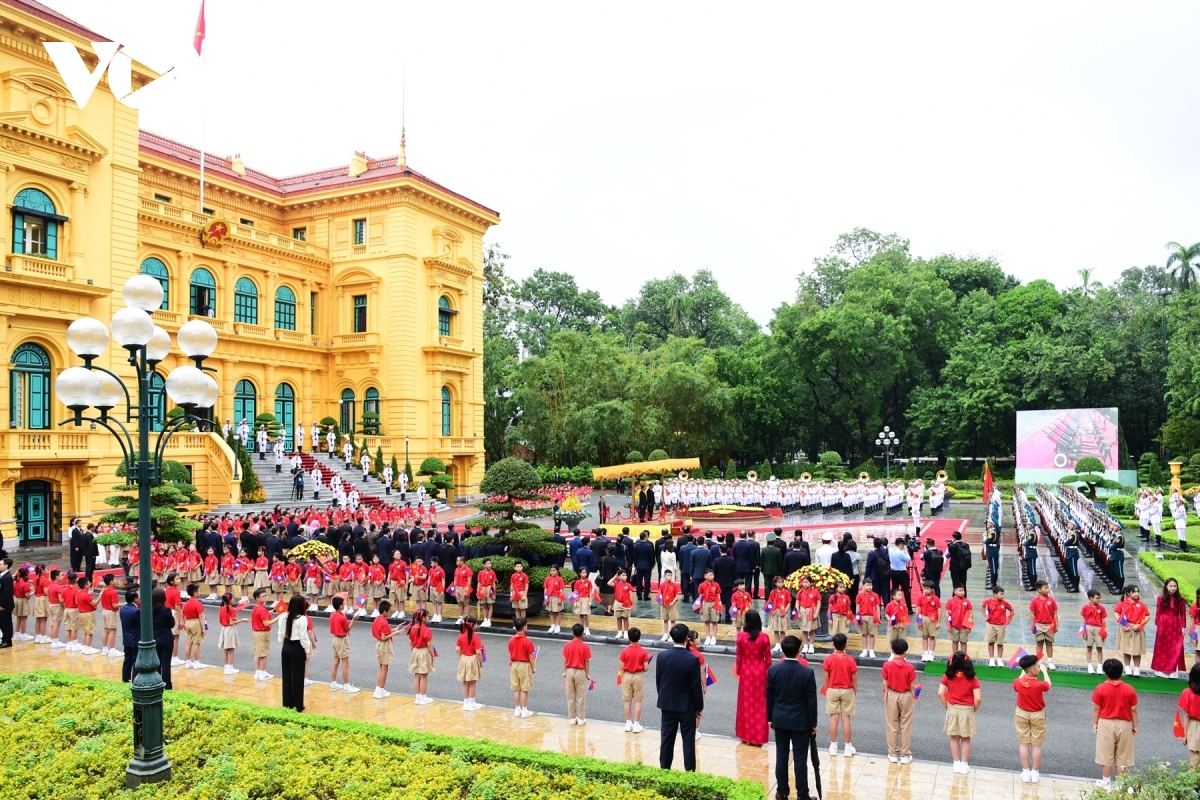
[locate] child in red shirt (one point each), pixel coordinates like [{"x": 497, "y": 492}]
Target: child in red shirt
[
  {"x": 437, "y": 588},
  {"x": 193, "y": 624},
  {"x": 929, "y": 620},
  {"x": 960, "y": 695},
  {"x": 1189, "y": 713},
  {"x": 522, "y": 664},
  {"x": 739, "y": 603},
  {"x": 109, "y": 604},
  {"x": 397, "y": 585},
  {"x": 383, "y": 633},
  {"x": 1132, "y": 615},
  {"x": 212, "y": 573},
  {"x": 462, "y": 588},
  {"x": 897, "y": 615},
  {"x": 470, "y": 662},
  {"x": 376, "y": 583},
  {"x": 552, "y": 590},
  {"x": 1030, "y": 716},
  {"x": 420, "y": 583},
  {"x": 582, "y": 589},
  {"x": 959, "y": 619},
  {"x": 1115, "y": 721},
  {"x": 420, "y": 660},
  {"x": 840, "y": 688},
  {"x": 869, "y": 606},
  {"x": 85, "y": 605},
  {"x": 339, "y": 631},
  {"x": 898, "y": 701},
  {"x": 622, "y": 591},
  {"x": 839, "y": 610},
  {"x": 1045, "y": 620},
  {"x": 1094, "y": 630},
  {"x": 779, "y": 601},
  {"x": 228, "y": 639},
  {"x": 577, "y": 673},
  {"x": 631, "y": 677},
  {"x": 668, "y": 603},
  {"x": 997, "y": 613},
  {"x": 314, "y": 577},
  {"x": 808, "y": 601}
]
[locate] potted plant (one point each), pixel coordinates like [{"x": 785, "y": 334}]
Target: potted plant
[
  {"x": 370, "y": 423},
  {"x": 572, "y": 512},
  {"x": 511, "y": 486}
]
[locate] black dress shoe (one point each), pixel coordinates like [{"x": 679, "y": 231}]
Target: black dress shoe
[{"x": 5, "y": 644}]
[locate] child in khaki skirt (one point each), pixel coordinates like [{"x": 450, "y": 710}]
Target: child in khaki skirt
[
  {"x": 839, "y": 610},
  {"x": 582, "y": 589},
  {"x": 622, "y": 591},
  {"x": 960, "y": 695},
  {"x": 780, "y": 604},
  {"x": 552, "y": 591},
  {"x": 227, "y": 641},
  {"x": 1189, "y": 713},
  {"x": 383, "y": 632},
  {"x": 470, "y": 662},
  {"x": 420, "y": 660}
]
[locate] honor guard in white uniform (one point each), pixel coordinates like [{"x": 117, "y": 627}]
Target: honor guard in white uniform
[
  {"x": 1179, "y": 514},
  {"x": 1156, "y": 515},
  {"x": 260, "y": 441},
  {"x": 365, "y": 463},
  {"x": 279, "y": 454},
  {"x": 315, "y": 432},
  {"x": 330, "y": 444},
  {"x": 387, "y": 478},
  {"x": 353, "y": 499},
  {"x": 226, "y": 428},
  {"x": 243, "y": 431},
  {"x": 348, "y": 452},
  {"x": 403, "y": 481},
  {"x": 315, "y": 476},
  {"x": 297, "y": 462},
  {"x": 299, "y": 437}
]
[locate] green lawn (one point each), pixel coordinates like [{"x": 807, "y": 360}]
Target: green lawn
[
  {"x": 1187, "y": 572},
  {"x": 1062, "y": 679}
]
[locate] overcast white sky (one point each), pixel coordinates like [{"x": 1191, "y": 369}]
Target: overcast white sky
[{"x": 624, "y": 141}]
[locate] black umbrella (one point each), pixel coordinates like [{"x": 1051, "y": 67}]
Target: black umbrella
[{"x": 816, "y": 764}]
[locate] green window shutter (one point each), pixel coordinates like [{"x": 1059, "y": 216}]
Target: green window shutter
[
  {"x": 18, "y": 233},
  {"x": 51, "y": 240}
]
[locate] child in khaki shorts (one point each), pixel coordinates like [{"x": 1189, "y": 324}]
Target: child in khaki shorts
[
  {"x": 840, "y": 688},
  {"x": 668, "y": 603},
  {"x": 897, "y": 616},
  {"x": 1115, "y": 721},
  {"x": 1030, "y": 716},
  {"x": 739, "y": 603}
]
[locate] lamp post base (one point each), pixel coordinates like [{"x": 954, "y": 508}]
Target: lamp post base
[{"x": 153, "y": 771}]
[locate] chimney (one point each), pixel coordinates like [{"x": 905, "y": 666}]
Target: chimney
[
  {"x": 237, "y": 165},
  {"x": 358, "y": 165}
]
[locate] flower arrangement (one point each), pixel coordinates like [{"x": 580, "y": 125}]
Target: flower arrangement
[
  {"x": 571, "y": 509},
  {"x": 726, "y": 512},
  {"x": 312, "y": 547},
  {"x": 823, "y": 579}
]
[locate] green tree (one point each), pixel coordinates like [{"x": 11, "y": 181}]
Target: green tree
[
  {"x": 549, "y": 302},
  {"x": 379, "y": 461},
  {"x": 1087, "y": 286},
  {"x": 1149, "y": 470},
  {"x": 1182, "y": 263},
  {"x": 657, "y": 455},
  {"x": 1089, "y": 471},
  {"x": 395, "y": 472},
  {"x": 175, "y": 489},
  {"x": 515, "y": 484},
  {"x": 634, "y": 457}
]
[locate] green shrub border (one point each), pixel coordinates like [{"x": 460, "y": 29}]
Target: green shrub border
[
  {"x": 669, "y": 783},
  {"x": 1161, "y": 571}
]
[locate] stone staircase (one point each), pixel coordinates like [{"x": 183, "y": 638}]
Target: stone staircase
[{"x": 278, "y": 486}]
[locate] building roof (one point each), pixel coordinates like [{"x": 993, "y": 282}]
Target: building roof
[
  {"x": 293, "y": 186},
  {"x": 43, "y": 12}
]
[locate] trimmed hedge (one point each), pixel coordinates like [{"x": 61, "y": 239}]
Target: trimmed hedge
[
  {"x": 240, "y": 751},
  {"x": 1189, "y": 579}
]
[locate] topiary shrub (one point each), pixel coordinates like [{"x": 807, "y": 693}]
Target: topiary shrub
[
  {"x": 657, "y": 455},
  {"x": 1089, "y": 471},
  {"x": 634, "y": 457},
  {"x": 511, "y": 488},
  {"x": 1120, "y": 505},
  {"x": 432, "y": 466}
]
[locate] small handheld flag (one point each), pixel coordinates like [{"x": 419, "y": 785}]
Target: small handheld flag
[
  {"x": 1124, "y": 621},
  {"x": 483, "y": 655},
  {"x": 919, "y": 618},
  {"x": 450, "y": 590},
  {"x": 858, "y": 620},
  {"x": 709, "y": 677},
  {"x": 658, "y": 598},
  {"x": 360, "y": 600},
  {"x": 769, "y": 607},
  {"x": 1177, "y": 730},
  {"x": 696, "y": 605},
  {"x": 831, "y": 615},
  {"x": 917, "y": 690},
  {"x": 1082, "y": 631},
  {"x": 1192, "y": 634},
  {"x": 572, "y": 597},
  {"x": 733, "y": 611},
  {"x": 591, "y": 684},
  {"x": 433, "y": 649},
  {"x": 795, "y": 612},
  {"x": 892, "y": 619},
  {"x": 619, "y": 674},
  {"x": 243, "y": 603},
  {"x": 825, "y": 690},
  {"x": 536, "y": 650},
  {"x": 1015, "y": 661},
  {"x": 1033, "y": 628}
]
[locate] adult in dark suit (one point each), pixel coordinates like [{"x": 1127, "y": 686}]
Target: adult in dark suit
[
  {"x": 792, "y": 714},
  {"x": 131, "y": 632},
  {"x": 725, "y": 573},
  {"x": 680, "y": 699},
  {"x": 643, "y": 563},
  {"x": 701, "y": 562},
  {"x": 90, "y": 551},
  {"x": 75, "y": 543},
  {"x": 7, "y": 602}
]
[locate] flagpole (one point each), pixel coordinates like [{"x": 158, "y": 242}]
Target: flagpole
[{"x": 202, "y": 136}]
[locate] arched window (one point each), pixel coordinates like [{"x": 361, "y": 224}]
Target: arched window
[
  {"x": 285, "y": 309},
  {"x": 158, "y": 402},
  {"x": 157, "y": 269},
  {"x": 245, "y": 301},
  {"x": 445, "y": 411},
  {"x": 347, "y": 416},
  {"x": 203, "y": 301},
  {"x": 371, "y": 407},
  {"x": 35, "y": 225},
  {"x": 285, "y": 413},
  {"x": 445, "y": 314},
  {"x": 29, "y": 384},
  {"x": 245, "y": 403}
]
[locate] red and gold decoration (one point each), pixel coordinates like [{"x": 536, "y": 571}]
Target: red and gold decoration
[{"x": 214, "y": 234}]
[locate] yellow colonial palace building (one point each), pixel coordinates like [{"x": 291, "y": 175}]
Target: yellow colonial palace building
[{"x": 353, "y": 292}]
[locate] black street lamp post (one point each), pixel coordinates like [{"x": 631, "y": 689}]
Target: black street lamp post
[
  {"x": 93, "y": 386},
  {"x": 888, "y": 440}
]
